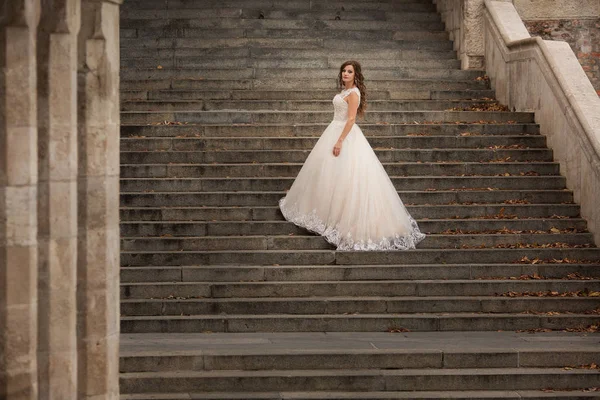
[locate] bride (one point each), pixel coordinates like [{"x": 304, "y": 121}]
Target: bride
[{"x": 342, "y": 191}]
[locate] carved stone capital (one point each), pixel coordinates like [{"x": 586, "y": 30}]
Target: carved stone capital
[{"x": 19, "y": 13}]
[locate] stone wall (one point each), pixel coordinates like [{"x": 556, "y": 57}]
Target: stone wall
[
  {"x": 583, "y": 35},
  {"x": 557, "y": 9},
  {"x": 576, "y": 22},
  {"x": 59, "y": 228}
]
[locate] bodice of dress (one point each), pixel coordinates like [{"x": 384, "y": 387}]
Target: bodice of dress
[{"x": 340, "y": 106}]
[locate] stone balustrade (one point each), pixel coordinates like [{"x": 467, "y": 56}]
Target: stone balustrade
[{"x": 531, "y": 74}]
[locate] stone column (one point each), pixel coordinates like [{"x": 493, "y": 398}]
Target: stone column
[
  {"x": 98, "y": 186},
  {"x": 57, "y": 198},
  {"x": 18, "y": 196},
  {"x": 464, "y": 22}
]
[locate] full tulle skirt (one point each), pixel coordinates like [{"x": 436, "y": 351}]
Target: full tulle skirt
[{"x": 349, "y": 199}]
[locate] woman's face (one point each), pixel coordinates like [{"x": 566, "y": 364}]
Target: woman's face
[{"x": 348, "y": 74}]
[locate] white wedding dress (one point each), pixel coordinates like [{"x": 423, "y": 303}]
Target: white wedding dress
[{"x": 349, "y": 199}]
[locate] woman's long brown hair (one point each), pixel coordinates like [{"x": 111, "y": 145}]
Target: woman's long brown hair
[{"x": 359, "y": 81}]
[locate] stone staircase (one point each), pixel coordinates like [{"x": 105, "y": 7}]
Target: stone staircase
[{"x": 223, "y": 299}]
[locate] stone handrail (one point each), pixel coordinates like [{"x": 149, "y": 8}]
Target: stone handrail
[{"x": 531, "y": 74}]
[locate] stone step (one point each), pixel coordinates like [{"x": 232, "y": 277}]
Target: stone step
[
  {"x": 315, "y": 243},
  {"x": 289, "y": 53},
  {"x": 364, "y": 359},
  {"x": 294, "y": 105},
  {"x": 240, "y": 95},
  {"x": 282, "y": 84},
  {"x": 344, "y": 322},
  {"x": 303, "y": 25},
  {"x": 290, "y": 5},
  {"x": 294, "y": 117},
  {"x": 347, "y": 289},
  {"x": 283, "y": 43},
  {"x": 359, "y": 380},
  {"x": 322, "y": 273},
  {"x": 292, "y": 169},
  {"x": 179, "y": 199},
  {"x": 237, "y": 33},
  {"x": 138, "y": 73},
  {"x": 307, "y": 143},
  {"x": 272, "y": 213},
  {"x": 179, "y": 184},
  {"x": 226, "y": 228},
  {"x": 306, "y": 242},
  {"x": 298, "y": 156},
  {"x": 587, "y": 393},
  {"x": 327, "y": 95},
  {"x": 248, "y": 62},
  {"x": 278, "y": 14},
  {"x": 335, "y": 351},
  {"x": 355, "y": 323},
  {"x": 310, "y": 257},
  {"x": 357, "y": 305},
  {"x": 304, "y": 130}
]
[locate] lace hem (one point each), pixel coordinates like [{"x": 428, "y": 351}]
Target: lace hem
[{"x": 345, "y": 242}]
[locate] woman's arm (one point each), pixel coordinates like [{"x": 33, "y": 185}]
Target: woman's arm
[{"x": 352, "y": 110}]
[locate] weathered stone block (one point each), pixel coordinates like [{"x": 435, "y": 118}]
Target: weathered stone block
[
  {"x": 20, "y": 205},
  {"x": 18, "y": 281},
  {"x": 583, "y": 35},
  {"x": 548, "y": 9},
  {"x": 57, "y": 209},
  {"x": 19, "y": 155}
]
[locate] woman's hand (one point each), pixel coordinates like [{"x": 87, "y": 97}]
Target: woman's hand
[{"x": 337, "y": 148}]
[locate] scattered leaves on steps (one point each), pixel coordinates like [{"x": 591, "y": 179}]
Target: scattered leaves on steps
[
  {"x": 517, "y": 201},
  {"x": 578, "y": 276},
  {"x": 588, "y": 329},
  {"x": 554, "y": 216},
  {"x": 506, "y": 147},
  {"x": 554, "y": 313},
  {"x": 491, "y": 106},
  {"x": 585, "y": 390},
  {"x": 165, "y": 122},
  {"x": 557, "y": 245},
  {"x": 586, "y": 366},
  {"x": 398, "y": 330},
  {"x": 547, "y": 313},
  {"x": 498, "y": 160},
  {"x": 550, "y": 293},
  {"x": 535, "y": 276},
  {"x": 506, "y": 231},
  {"x": 480, "y": 122},
  {"x": 534, "y": 330},
  {"x": 579, "y": 329},
  {"x": 526, "y": 260},
  {"x": 528, "y": 173}
]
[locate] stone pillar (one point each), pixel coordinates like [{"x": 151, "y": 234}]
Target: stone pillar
[
  {"x": 57, "y": 198},
  {"x": 98, "y": 186},
  {"x": 18, "y": 194},
  {"x": 464, "y": 22}
]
